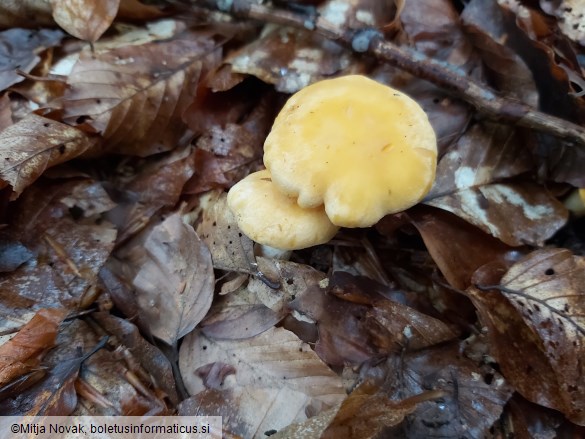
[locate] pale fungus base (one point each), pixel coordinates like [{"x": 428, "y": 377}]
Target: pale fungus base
[
  {"x": 362, "y": 149},
  {"x": 269, "y": 217}
]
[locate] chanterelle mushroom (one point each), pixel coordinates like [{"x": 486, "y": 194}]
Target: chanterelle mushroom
[
  {"x": 360, "y": 148},
  {"x": 269, "y": 217}
]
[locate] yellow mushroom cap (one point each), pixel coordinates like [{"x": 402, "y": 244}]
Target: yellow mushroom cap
[
  {"x": 269, "y": 217},
  {"x": 362, "y": 149}
]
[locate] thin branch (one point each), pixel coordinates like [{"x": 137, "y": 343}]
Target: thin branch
[{"x": 486, "y": 100}]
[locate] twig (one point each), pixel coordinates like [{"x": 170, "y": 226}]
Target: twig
[{"x": 370, "y": 41}]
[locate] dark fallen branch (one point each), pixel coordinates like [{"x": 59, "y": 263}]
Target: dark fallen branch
[{"x": 486, "y": 100}]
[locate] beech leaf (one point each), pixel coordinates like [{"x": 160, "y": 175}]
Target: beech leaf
[
  {"x": 135, "y": 95},
  {"x": 542, "y": 307},
  {"x": 276, "y": 376},
  {"x": 174, "y": 278},
  {"x": 468, "y": 185},
  {"x": 34, "y": 144},
  {"x": 85, "y": 19}
]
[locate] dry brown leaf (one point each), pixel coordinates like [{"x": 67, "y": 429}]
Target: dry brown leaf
[
  {"x": 275, "y": 377},
  {"x": 134, "y": 96},
  {"x": 23, "y": 352},
  {"x": 34, "y": 144},
  {"x": 541, "y": 307},
  {"x": 457, "y": 247},
  {"x": 394, "y": 327},
  {"x": 210, "y": 402},
  {"x": 85, "y": 19},
  {"x": 150, "y": 361},
  {"x": 173, "y": 276}
]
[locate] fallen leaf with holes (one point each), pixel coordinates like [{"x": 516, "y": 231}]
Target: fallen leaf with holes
[
  {"x": 230, "y": 249},
  {"x": 171, "y": 269},
  {"x": 34, "y": 144},
  {"x": 85, "y": 19},
  {"x": 536, "y": 322},
  {"x": 468, "y": 185},
  {"x": 134, "y": 96},
  {"x": 23, "y": 352},
  {"x": 275, "y": 376}
]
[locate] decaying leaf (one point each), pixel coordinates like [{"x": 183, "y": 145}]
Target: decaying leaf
[
  {"x": 469, "y": 185},
  {"x": 85, "y": 19},
  {"x": 275, "y": 372},
  {"x": 134, "y": 96},
  {"x": 367, "y": 411},
  {"x": 23, "y": 352},
  {"x": 156, "y": 185},
  {"x": 473, "y": 396},
  {"x": 56, "y": 395},
  {"x": 540, "y": 305},
  {"x": 172, "y": 272},
  {"x": 59, "y": 223},
  {"x": 34, "y": 144},
  {"x": 230, "y": 249}
]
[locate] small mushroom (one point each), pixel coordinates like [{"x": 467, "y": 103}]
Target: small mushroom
[
  {"x": 358, "y": 147},
  {"x": 269, "y": 217}
]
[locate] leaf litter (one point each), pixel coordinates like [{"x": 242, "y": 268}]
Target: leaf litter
[{"x": 123, "y": 124}]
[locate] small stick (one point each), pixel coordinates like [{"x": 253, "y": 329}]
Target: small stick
[{"x": 370, "y": 41}]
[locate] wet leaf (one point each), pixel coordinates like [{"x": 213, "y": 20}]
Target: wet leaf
[
  {"x": 275, "y": 371},
  {"x": 540, "y": 305},
  {"x": 34, "y": 144},
  {"x": 85, "y": 19},
  {"x": 172, "y": 272}
]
